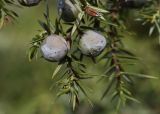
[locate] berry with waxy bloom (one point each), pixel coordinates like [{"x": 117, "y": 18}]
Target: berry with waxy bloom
[
  {"x": 67, "y": 10},
  {"x": 54, "y": 48},
  {"x": 29, "y": 3},
  {"x": 92, "y": 43}
]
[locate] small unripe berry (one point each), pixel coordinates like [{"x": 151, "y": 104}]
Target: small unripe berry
[
  {"x": 29, "y": 2},
  {"x": 134, "y": 3},
  {"x": 92, "y": 43},
  {"x": 54, "y": 48},
  {"x": 67, "y": 10}
]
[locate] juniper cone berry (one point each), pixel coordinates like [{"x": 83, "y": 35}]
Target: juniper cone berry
[
  {"x": 92, "y": 43},
  {"x": 67, "y": 10},
  {"x": 29, "y": 2},
  {"x": 54, "y": 48},
  {"x": 134, "y": 3}
]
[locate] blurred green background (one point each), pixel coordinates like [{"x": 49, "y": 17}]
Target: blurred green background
[{"x": 24, "y": 85}]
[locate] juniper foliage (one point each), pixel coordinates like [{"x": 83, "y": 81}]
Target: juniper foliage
[{"x": 106, "y": 17}]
